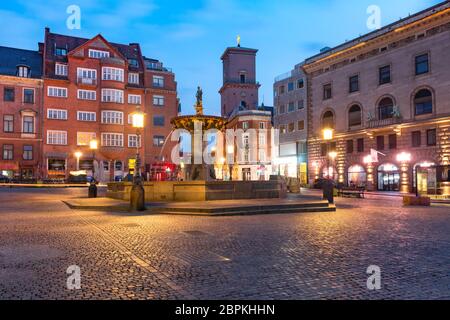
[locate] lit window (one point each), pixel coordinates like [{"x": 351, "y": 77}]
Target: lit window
[{"x": 84, "y": 138}]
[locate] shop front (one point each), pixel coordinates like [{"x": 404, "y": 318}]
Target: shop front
[
  {"x": 388, "y": 177},
  {"x": 356, "y": 176},
  {"x": 433, "y": 181}
]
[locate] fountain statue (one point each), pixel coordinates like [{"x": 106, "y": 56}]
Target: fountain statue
[{"x": 192, "y": 123}]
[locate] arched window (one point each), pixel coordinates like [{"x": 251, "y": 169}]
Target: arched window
[
  {"x": 328, "y": 120},
  {"x": 354, "y": 116},
  {"x": 423, "y": 102},
  {"x": 385, "y": 109}
]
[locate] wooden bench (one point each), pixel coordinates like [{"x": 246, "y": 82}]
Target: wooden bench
[{"x": 350, "y": 192}]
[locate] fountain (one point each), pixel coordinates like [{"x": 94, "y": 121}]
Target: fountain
[{"x": 199, "y": 122}]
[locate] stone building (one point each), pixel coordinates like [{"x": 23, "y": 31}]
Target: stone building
[
  {"x": 290, "y": 118},
  {"x": 386, "y": 97},
  {"x": 21, "y": 113}
]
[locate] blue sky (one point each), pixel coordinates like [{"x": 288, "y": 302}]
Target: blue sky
[{"x": 190, "y": 35}]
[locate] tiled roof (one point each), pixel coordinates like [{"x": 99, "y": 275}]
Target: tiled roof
[{"x": 10, "y": 58}]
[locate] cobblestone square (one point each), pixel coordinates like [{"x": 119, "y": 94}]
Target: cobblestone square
[{"x": 286, "y": 256}]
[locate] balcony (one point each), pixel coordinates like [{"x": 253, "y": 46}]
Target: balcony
[
  {"x": 87, "y": 81},
  {"x": 383, "y": 123}
]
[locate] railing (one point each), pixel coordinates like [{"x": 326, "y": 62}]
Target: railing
[
  {"x": 87, "y": 81},
  {"x": 283, "y": 76},
  {"x": 383, "y": 122},
  {"x": 157, "y": 66}
]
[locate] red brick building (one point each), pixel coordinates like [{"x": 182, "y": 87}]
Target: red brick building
[
  {"x": 91, "y": 87},
  {"x": 20, "y": 113}
]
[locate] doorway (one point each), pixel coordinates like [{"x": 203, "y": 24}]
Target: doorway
[
  {"x": 388, "y": 178},
  {"x": 246, "y": 174}
]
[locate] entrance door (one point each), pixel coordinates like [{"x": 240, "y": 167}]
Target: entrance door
[
  {"x": 246, "y": 174},
  {"x": 388, "y": 178}
]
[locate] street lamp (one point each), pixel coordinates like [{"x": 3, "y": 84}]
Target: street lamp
[
  {"x": 92, "y": 191},
  {"x": 137, "y": 198},
  {"x": 78, "y": 155}
]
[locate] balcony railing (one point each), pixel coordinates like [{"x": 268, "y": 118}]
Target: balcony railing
[
  {"x": 87, "y": 81},
  {"x": 383, "y": 122}
]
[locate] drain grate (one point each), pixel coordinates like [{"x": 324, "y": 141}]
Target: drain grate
[{"x": 196, "y": 233}]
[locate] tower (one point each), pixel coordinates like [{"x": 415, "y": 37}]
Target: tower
[{"x": 239, "y": 88}]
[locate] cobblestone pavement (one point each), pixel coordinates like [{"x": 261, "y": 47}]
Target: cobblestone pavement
[{"x": 292, "y": 256}]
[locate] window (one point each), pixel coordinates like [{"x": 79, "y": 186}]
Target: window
[
  {"x": 112, "y": 95},
  {"x": 98, "y": 54},
  {"x": 291, "y": 107},
  {"x": 8, "y": 94},
  {"x": 422, "y": 64},
  {"x": 8, "y": 152},
  {"x": 105, "y": 166},
  {"x": 323, "y": 149},
  {"x": 327, "y": 92},
  {"x": 60, "y": 52},
  {"x": 86, "y": 76},
  {"x": 385, "y": 75},
  {"x": 300, "y": 104},
  {"x": 112, "y": 117},
  {"x": 354, "y": 116},
  {"x": 262, "y": 125},
  {"x": 392, "y": 141},
  {"x": 245, "y": 125},
  {"x": 261, "y": 139},
  {"x": 57, "y": 114},
  {"x": 112, "y": 139},
  {"x": 431, "y": 137},
  {"x": 114, "y": 74},
  {"x": 133, "y": 63},
  {"x": 134, "y": 141},
  {"x": 28, "y": 96},
  {"x": 57, "y": 137},
  {"x": 158, "y": 101},
  {"x": 118, "y": 165},
  {"x": 86, "y": 116},
  {"x": 158, "y": 121},
  {"x": 282, "y": 109},
  {"x": 416, "y": 139},
  {"x": 23, "y": 72},
  {"x": 360, "y": 144},
  {"x": 328, "y": 120},
  {"x": 27, "y": 152},
  {"x": 87, "y": 95},
  {"x": 282, "y": 129},
  {"x": 301, "y": 125},
  {"x": 84, "y": 138},
  {"x": 281, "y": 89},
  {"x": 354, "y": 84},
  {"x": 134, "y": 99},
  {"x": 61, "y": 69},
  {"x": 291, "y": 127},
  {"x": 290, "y": 86},
  {"x": 349, "y": 146},
  {"x": 28, "y": 124},
  {"x": 158, "y": 141},
  {"x": 423, "y": 102},
  {"x": 262, "y": 155},
  {"x": 8, "y": 123},
  {"x": 300, "y": 84},
  {"x": 57, "y": 92},
  {"x": 380, "y": 142},
  {"x": 158, "y": 81},
  {"x": 385, "y": 109},
  {"x": 133, "y": 78}
]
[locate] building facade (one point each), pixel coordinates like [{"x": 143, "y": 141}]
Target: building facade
[
  {"x": 21, "y": 104},
  {"x": 291, "y": 121},
  {"x": 251, "y": 153},
  {"x": 386, "y": 97},
  {"x": 91, "y": 89}
]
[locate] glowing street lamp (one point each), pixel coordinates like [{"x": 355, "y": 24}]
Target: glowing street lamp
[
  {"x": 333, "y": 155},
  {"x": 137, "y": 198},
  {"x": 327, "y": 134},
  {"x": 78, "y": 155},
  {"x": 404, "y": 157}
]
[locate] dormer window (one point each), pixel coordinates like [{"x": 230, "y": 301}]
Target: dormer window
[
  {"x": 60, "y": 52},
  {"x": 23, "y": 71},
  {"x": 133, "y": 63}
]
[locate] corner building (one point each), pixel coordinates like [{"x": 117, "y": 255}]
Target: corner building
[{"x": 386, "y": 91}]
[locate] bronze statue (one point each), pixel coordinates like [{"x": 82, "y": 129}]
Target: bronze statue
[{"x": 199, "y": 104}]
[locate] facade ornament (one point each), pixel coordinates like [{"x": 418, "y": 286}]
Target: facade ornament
[{"x": 370, "y": 116}]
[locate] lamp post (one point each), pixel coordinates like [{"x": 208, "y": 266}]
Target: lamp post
[
  {"x": 92, "y": 190},
  {"x": 137, "y": 197},
  {"x": 328, "y": 186},
  {"x": 78, "y": 155},
  {"x": 230, "y": 151}
]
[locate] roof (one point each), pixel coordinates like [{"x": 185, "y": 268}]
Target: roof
[
  {"x": 372, "y": 35},
  {"x": 10, "y": 58}
]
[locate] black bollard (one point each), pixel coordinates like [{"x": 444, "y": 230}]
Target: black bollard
[
  {"x": 328, "y": 191},
  {"x": 92, "y": 190}
]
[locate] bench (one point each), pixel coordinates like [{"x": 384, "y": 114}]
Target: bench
[{"x": 350, "y": 192}]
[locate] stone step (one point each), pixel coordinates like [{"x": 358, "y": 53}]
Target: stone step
[{"x": 239, "y": 212}]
